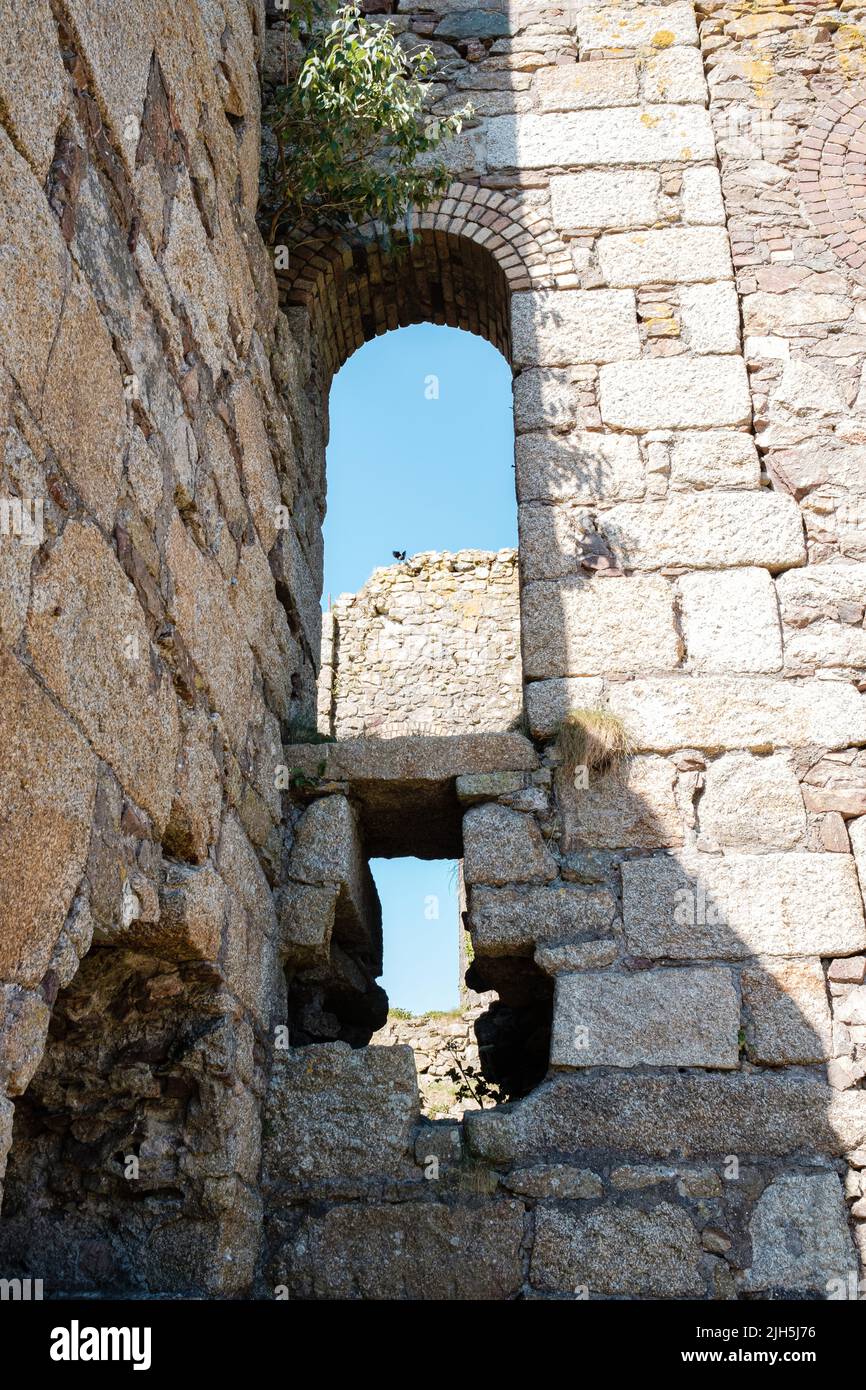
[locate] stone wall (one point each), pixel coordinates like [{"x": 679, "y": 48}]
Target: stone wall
[
  {"x": 678, "y": 945},
  {"x": 430, "y": 646},
  {"x": 669, "y": 576},
  {"x": 787, "y": 89},
  {"x": 153, "y": 425}
]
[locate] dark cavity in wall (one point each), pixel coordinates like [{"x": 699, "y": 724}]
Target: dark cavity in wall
[{"x": 116, "y": 1136}]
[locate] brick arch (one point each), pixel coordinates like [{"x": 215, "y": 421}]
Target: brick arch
[
  {"x": 471, "y": 251},
  {"x": 831, "y": 175}
]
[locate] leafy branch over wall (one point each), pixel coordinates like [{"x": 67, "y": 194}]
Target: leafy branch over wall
[{"x": 345, "y": 128}]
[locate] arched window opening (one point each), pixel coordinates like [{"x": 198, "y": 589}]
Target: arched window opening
[{"x": 421, "y": 641}]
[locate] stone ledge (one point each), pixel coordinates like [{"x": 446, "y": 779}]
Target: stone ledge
[
  {"x": 414, "y": 757},
  {"x": 665, "y": 1116},
  {"x": 406, "y": 788}
]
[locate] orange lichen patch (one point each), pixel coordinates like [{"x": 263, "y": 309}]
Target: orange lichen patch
[
  {"x": 851, "y": 52},
  {"x": 663, "y": 39},
  {"x": 759, "y": 73},
  {"x": 648, "y": 120}
]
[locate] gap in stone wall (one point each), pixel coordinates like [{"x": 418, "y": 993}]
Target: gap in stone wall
[{"x": 334, "y": 994}]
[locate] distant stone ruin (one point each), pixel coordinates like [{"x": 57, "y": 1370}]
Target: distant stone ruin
[{"x": 430, "y": 646}]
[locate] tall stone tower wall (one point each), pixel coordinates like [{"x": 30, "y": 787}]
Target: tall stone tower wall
[
  {"x": 153, "y": 421},
  {"x": 656, "y": 216}
]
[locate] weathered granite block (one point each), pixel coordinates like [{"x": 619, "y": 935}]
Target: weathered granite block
[
  {"x": 710, "y": 317},
  {"x": 329, "y": 849},
  {"x": 751, "y": 803},
  {"x": 800, "y": 1237},
  {"x": 584, "y": 627},
  {"x": 668, "y": 1115},
  {"x": 333, "y": 1112},
  {"x": 714, "y": 458},
  {"x": 707, "y": 531},
  {"x": 703, "y": 906},
  {"x": 548, "y": 701},
  {"x": 671, "y": 255},
  {"x": 730, "y": 621},
  {"x": 702, "y": 196},
  {"x": 504, "y": 846},
  {"x": 579, "y": 467},
  {"x": 597, "y": 198},
  {"x": 546, "y": 397},
  {"x": 506, "y": 921},
  {"x": 822, "y": 617},
  {"x": 653, "y": 27},
  {"x": 674, "y": 74},
  {"x": 635, "y": 808},
  {"x": 662, "y": 1018},
  {"x": 575, "y": 86},
  {"x": 618, "y": 135},
  {"x": 551, "y": 329},
  {"x": 739, "y": 712},
  {"x": 420, "y": 1250},
  {"x": 617, "y": 1250},
  {"x": 675, "y": 393},
  {"x": 789, "y": 1020}
]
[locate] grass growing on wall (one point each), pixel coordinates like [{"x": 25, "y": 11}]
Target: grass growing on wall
[{"x": 594, "y": 739}]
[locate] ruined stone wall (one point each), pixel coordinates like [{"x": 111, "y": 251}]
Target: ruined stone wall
[
  {"x": 431, "y": 646},
  {"x": 678, "y": 945},
  {"x": 447, "y": 1060},
  {"x": 701, "y": 1004},
  {"x": 152, "y": 644}
]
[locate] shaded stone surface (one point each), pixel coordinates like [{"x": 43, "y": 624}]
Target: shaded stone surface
[
  {"x": 47, "y": 788},
  {"x": 504, "y": 920},
  {"x": 635, "y": 808},
  {"x": 333, "y": 1112},
  {"x": 90, "y": 643},
  {"x": 668, "y": 1018},
  {"x": 420, "y": 1251},
  {"x": 617, "y": 1250},
  {"x": 789, "y": 1014},
  {"x": 664, "y": 1116},
  {"x": 800, "y": 1236},
  {"x": 504, "y": 846}
]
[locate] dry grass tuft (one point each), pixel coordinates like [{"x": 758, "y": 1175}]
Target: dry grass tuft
[{"x": 594, "y": 739}]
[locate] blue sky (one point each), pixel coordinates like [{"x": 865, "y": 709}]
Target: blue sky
[
  {"x": 420, "y": 927},
  {"x": 410, "y": 473},
  {"x": 418, "y": 464}
]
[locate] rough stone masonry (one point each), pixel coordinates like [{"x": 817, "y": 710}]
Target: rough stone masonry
[{"x": 658, "y": 214}]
